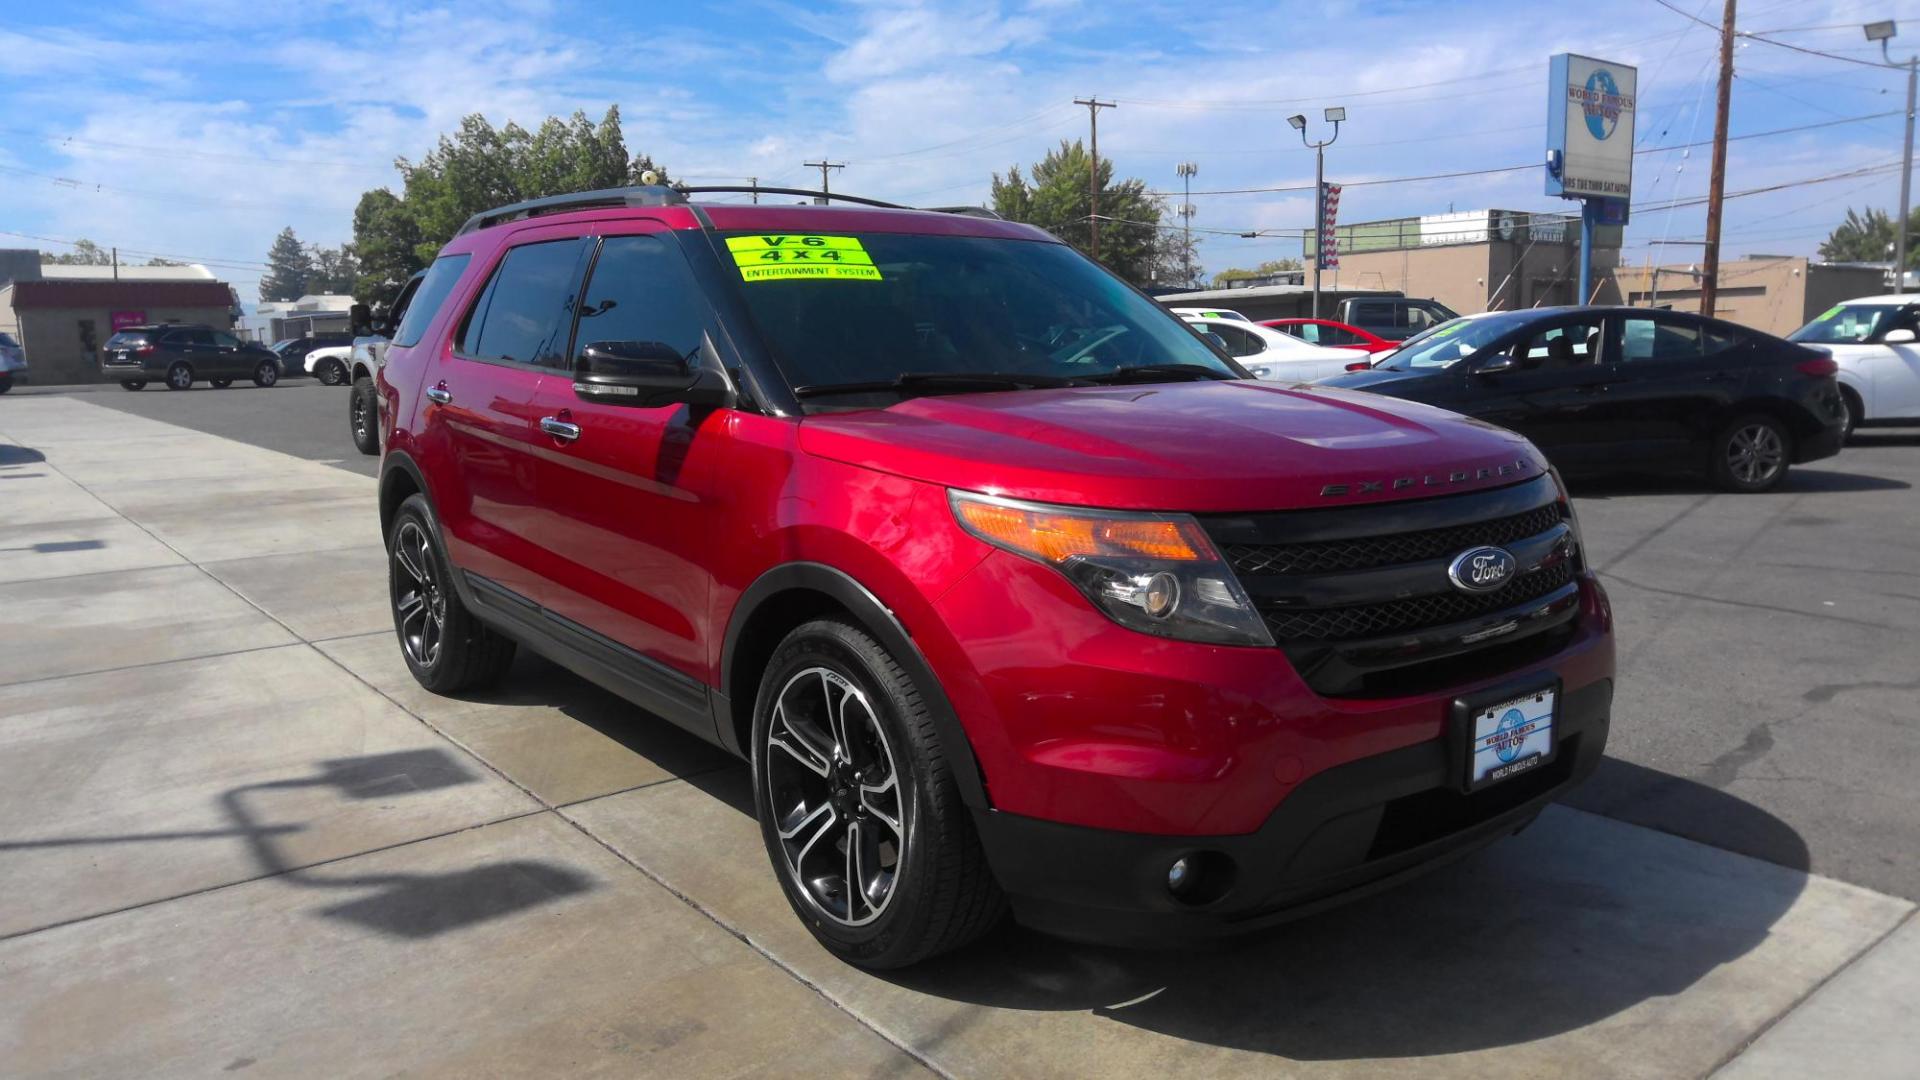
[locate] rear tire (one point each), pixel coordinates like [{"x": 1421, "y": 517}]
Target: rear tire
[
  {"x": 444, "y": 646},
  {"x": 1751, "y": 454},
  {"x": 180, "y": 376},
  {"x": 849, "y": 772},
  {"x": 331, "y": 373},
  {"x": 266, "y": 374},
  {"x": 219, "y": 384},
  {"x": 1856, "y": 411},
  {"x": 133, "y": 384},
  {"x": 363, "y": 416}
]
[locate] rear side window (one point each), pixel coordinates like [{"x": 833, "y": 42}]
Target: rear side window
[
  {"x": 432, "y": 292},
  {"x": 1656, "y": 341},
  {"x": 642, "y": 290},
  {"x": 526, "y": 309},
  {"x": 189, "y": 337},
  {"x": 124, "y": 340},
  {"x": 1239, "y": 342}
]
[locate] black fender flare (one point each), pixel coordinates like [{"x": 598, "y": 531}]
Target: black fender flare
[
  {"x": 397, "y": 461},
  {"x": 877, "y": 619}
]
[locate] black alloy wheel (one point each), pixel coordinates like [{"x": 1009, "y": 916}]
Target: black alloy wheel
[
  {"x": 858, "y": 807},
  {"x": 1751, "y": 454},
  {"x": 446, "y": 648},
  {"x": 362, "y": 414},
  {"x": 332, "y": 373}
]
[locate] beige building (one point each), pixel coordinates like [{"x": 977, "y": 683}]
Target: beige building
[
  {"x": 1775, "y": 293},
  {"x": 1476, "y": 260},
  {"x": 62, "y": 324}
]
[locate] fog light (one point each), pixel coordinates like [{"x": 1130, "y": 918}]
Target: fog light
[
  {"x": 1161, "y": 595},
  {"x": 1179, "y": 875}
]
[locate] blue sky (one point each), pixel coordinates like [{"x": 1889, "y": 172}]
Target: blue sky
[{"x": 274, "y": 114}]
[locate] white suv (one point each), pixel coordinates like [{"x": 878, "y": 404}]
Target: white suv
[{"x": 1873, "y": 339}]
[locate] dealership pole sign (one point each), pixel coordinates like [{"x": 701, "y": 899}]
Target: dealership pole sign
[
  {"x": 1329, "y": 253},
  {"x": 1590, "y": 109}
]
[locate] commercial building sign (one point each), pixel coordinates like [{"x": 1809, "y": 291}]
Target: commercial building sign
[
  {"x": 120, "y": 320},
  {"x": 1590, "y": 109}
]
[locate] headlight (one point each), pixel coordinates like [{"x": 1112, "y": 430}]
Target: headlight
[
  {"x": 1156, "y": 573},
  {"x": 1566, "y": 501}
]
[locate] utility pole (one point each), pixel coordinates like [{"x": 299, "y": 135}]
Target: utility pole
[
  {"x": 1187, "y": 169},
  {"x": 754, "y": 183},
  {"x": 1717, "y": 178},
  {"x": 116, "y": 264},
  {"x": 824, "y": 165},
  {"x": 1882, "y": 32},
  {"x": 1094, "y": 105},
  {"x": 1299, "y": 121}
]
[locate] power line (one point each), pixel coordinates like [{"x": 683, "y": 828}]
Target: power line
[
  {"x": 225, "y": 263},
  {"x": 1715, "y": 27}
]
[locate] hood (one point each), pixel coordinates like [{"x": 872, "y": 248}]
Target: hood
[{"x": 1198, "y": 447}]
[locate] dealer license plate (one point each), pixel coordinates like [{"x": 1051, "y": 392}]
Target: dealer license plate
[{"x": 1510, "y": 738}]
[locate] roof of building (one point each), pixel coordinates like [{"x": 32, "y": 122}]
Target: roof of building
[
  {"x": 64, "y": 272},
  {"x": 310, "y": 304},
  {"x": 120, "y": 294}
]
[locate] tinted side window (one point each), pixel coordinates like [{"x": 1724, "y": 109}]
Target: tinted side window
[
  {"x": 428, "y": 297},
  {"x": 525, "y": 311},
  {"x": 642, "y": 290},
  {"x": 1239, "y": 342},
  {"x": 226, "y": 341},
  {"x": 188, "y": 337},
  {"x": 1313, "y": 332},
  {"x": 1333, "y": 335},
  {"x": 1650, "y": 340},
  {"x": 1373, "y": 314},
  {"x": 1559, "y": 347}
]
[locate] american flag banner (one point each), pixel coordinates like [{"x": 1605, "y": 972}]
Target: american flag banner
[{"x": 1329, "y": 237}]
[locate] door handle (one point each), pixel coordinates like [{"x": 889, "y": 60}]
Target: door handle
[
  {"x": 439, "y": 395},
  {"x": 559, "y": 428}
]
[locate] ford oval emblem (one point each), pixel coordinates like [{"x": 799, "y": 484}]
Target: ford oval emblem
[{"x": 1481, "y": 569}]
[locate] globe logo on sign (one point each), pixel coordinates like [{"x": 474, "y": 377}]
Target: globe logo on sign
[
  {"x": 1508, "y": 737},
  {"x": 1601, "y": 104}
]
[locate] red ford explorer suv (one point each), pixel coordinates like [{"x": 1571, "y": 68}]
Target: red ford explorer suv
[{"x": 1014, "y": 591}]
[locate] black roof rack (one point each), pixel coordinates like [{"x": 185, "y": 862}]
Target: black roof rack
[{"x": 662, "y": 195}]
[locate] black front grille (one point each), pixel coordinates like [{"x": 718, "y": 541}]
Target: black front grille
[
  {"x": 1415, "y": 613},
  {"x": 1365, "y": 553}
]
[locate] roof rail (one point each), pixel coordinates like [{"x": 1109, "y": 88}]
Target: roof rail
[
  {"x": 967, "y": 211},
  {"x": 653, "y": 195},
  {"x": 743, "y": 189}
]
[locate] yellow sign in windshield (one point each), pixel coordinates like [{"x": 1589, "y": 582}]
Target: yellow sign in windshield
[{"x": 787, "y": 257}]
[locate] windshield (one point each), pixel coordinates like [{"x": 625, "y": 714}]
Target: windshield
[
  {"x": 1450, "y": 342},
  {"x": 1847, "y": 324},
  {"x": 847, "y": 310}
]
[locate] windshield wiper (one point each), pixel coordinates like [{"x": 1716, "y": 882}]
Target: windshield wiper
[
  {"x": 1157, "y": 372},
  {"x": 935, "y": 381}
]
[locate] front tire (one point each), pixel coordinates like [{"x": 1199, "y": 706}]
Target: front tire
[
  {"x": 331, "y": 373},
  {"x": 1751, "y": 454},
  {"x": 363, "y": 416},
  {"x": 1855, "y": 410},
  {"x": 180, "y": 377},
  {"x": 133, "y": 384},
  {"x": 266, "y": 374},
  {"x": 858, "y": 808},
  {"x": 445, "y": 647}
]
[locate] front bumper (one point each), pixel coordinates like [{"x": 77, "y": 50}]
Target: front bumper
[{"x": 1353, "y": 829}]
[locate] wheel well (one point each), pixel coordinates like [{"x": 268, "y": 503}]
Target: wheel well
[
  {"x": 766, "y": 627},
  {"x": 359, "y": 371},
  {"x": 1855, "y": 403},
  {"x": 1799, "y": 423},
  {"x": 394, "y": 490}
]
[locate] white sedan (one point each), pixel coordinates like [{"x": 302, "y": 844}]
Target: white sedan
[
  {"x": 1270, "y": 354},
  {"x": 1873, "y": 339}
]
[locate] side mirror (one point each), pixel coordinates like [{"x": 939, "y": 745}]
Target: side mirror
[
  {"x": 1898, "y": 337},
  {"x": 645, "y": 373},
  {"x": 1495, "y": 364}
]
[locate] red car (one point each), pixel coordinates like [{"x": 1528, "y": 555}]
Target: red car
[
  {"x": 1335, "y": 335},
  {"x": 1013, "y": 591}
]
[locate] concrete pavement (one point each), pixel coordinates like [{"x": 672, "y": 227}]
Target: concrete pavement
[{"x": 235, "y": 835}]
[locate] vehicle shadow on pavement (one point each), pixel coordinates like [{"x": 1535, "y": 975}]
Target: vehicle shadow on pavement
[
  {"x": 1800, "y": 481},
  {"x": 12, "y": 456},
  {"x": 1570, "y": 923}
]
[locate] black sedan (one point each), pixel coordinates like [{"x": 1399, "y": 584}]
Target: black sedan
[{"x": 1626, "y": 389}]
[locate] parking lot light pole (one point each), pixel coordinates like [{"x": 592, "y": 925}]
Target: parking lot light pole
[
  {"x": 1883, "y": 32},
  {"x": 1187, "y": 169},
  {"x": 1299, "y": 122}
]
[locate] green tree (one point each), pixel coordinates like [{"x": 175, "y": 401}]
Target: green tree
[
  {"x": 1869, "y": 237},
  {"x": 334, "y": 270},
  {"x": 1266, "y": 269},
  {"x": 478, "y": 168},
  {"x": 289, "y": 267},
  {"x": 85, "y": 253},
  {"x": 1132, "y": 241},
  {"x": 158, "y": 261}
]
